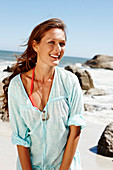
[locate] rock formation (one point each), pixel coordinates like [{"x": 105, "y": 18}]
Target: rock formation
[
  {"x": 105, "y": 144},
  {"x": 9, "y": 69},
  {"x": 84, "y": 76},
  {"x": 100, "y": 61},
  {"x": 95, "y": 92}
]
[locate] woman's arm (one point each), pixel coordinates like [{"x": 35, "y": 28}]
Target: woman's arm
[
  {"x": 24, "y": 157},
  {"x": 70, "y": 147}
]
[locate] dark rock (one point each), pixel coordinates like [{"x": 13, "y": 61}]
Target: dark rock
[
  {"x": 9, "y": 69},
  {"x": 88, "y": 107},
  {"x": 91, "y": 108},
  {"x": 105, "y": 144},
  {"x": 95, "y": 92},
  {"x": 100, "y": 61},
  {"x": 72, "y": 68},
  {"x": 84, "y": 76}
]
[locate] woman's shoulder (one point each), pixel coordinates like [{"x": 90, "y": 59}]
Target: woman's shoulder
[
  {"x": 15, "y": 80},
  {"x": 25, "y": 77},
  {"x": 20, "y": 77},
  {"x": 14, "y": 84}
]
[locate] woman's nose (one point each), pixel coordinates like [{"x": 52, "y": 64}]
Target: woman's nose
[{"x": 57, "y": 48}]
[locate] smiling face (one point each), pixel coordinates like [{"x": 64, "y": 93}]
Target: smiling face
[{"x": 51, "y": 47}]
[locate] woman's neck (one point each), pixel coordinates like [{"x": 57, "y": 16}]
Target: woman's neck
[{"x": 44, "y": 73}]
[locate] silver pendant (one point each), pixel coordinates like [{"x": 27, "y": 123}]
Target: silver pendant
[{"x": 45, "y": 116}]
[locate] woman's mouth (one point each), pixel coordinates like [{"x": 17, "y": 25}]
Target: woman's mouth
[{"x": 55, "y": 56}]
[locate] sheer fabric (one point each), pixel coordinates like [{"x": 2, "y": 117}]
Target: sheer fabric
[{"x": 46, "y": 139}]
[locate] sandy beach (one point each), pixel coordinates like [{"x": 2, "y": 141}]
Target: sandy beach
[
  {"x": 90, "y": 160},
  {"x": 7, "y": 149}
]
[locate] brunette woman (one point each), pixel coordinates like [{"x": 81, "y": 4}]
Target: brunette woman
[{"x": 45, "y": 103}]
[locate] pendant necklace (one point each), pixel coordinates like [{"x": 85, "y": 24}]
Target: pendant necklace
[{"x": 45, "y": 116}]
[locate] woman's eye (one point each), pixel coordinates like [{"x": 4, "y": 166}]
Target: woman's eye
[
  {"x": 51, "y": 42},
  {"x": 62, "y": 44}
]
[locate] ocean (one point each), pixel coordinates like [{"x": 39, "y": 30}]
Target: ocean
[{"x": 102, "y": 79}]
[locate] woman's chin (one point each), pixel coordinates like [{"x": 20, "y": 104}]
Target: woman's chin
[{"x": 55, "y": 63}]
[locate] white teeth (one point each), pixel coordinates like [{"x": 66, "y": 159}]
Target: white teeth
[{"x": 54, "y": 56}]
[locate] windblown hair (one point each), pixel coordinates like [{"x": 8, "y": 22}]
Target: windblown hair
[{"x": 28, "y": 59}]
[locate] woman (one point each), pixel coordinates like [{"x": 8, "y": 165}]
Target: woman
[{"x": 45, "y": 103}]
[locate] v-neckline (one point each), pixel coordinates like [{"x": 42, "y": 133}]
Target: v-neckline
[{"x": 49, "y": 98}]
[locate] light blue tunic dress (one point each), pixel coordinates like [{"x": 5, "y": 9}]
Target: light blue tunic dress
[{"x": 46, "y": 139}]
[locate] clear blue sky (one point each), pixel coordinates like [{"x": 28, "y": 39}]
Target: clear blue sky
[{"x": 89, "y": 23}]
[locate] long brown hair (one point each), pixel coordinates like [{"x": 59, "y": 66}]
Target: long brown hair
[{"x": 29, "y": 57}]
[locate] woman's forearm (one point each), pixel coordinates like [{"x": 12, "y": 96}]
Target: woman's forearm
[
  {"x": 24, "y": 157},
  {"x": 70, "y": 147}
]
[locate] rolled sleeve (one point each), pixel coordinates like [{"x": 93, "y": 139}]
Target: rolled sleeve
[
  {"x": 76, "y": 105},
  {"x": 18, "y": 140},
  {"x": 20, "y": 130},
  {"x": 77, "y": 120}
]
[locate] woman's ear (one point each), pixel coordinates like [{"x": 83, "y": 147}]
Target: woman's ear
[{"x": 35, "y": 46}]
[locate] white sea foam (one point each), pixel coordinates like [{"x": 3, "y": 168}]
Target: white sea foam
[
  {"x": 103, "y": 79},
  {"x": 3, "y": 65},
  {"x": 79, "y": 64}
]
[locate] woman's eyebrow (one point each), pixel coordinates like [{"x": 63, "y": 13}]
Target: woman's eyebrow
[{"x": 56, "y": 39}]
